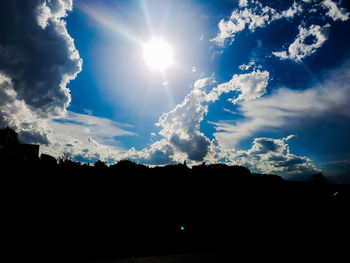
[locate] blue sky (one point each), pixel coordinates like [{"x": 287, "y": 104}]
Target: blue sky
[{"x": 264, "y": 84}]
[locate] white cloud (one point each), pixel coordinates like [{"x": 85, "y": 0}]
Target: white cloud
[
  {"x": 243, "y": 3},
  {"x": 326, "y": 100},
  {"x": 273, "y": 156},
  {"x": 238, "y": 21},
  {"x": 251, "y": 18},
  {"x": 258, "y": 16},
  {"x": 247, "y": 66},
  {"x": 295, "y": 9},
  {"x": 52, "y": 11},
  {"x": 88, "y": 137},
  {"x": 160, "y": 152},
  {"x": 182, "y": 139},
  {"x": 15, "y": 113},
  {"x": 250, "y": 86},
  {"x": 299, "y": 49},
  {"x": 334, "y": 11},
  {"x": 180, "y": 127},
  {"x": 82, "y": 136}
]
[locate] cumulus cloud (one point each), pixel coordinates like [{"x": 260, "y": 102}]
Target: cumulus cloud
[
  {"x": 182, "y": 139},
  {"x": 250, "y": 86},
  {"x": 300, "y": 48},
  {"x": 180, "y": 127},
  {"x": 37, "y": 61},
  {"x": 52, "y": 11},
  {"x": 269, "y": 155},
  {"x": 159, "y": 153},
  {"x": 16, "y": 113},
  {"x": 258, "y": 16},
  {"x": 335, "y": 12},
  {"x": 326, "y": 100},
  {"x": 255, "y": 17}
]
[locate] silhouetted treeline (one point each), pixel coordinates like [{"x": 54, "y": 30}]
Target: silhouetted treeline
[
  {"x": 66, "y": 210},
  {"x": 14, "y": 155}
]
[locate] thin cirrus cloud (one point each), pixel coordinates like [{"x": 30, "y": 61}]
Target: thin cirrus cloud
[{"x": 87, "y": 137}]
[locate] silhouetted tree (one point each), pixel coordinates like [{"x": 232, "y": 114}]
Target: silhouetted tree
[
  {"x": 48, "y": 160},
  {"x": 65, "y": 161},
  {"x": 100, "y": 164},
  {"x": 319, "y": 178},
  {"x": 126, "y": 165}
]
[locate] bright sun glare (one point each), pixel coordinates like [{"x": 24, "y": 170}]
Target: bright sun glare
[{"x": 158, "y": 54}]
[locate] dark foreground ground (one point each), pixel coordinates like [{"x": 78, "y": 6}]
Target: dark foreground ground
[
  {"x": 65, "y": 215},
  {"x": 176, "y": 258}
]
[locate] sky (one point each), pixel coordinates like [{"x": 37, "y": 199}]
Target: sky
[{"x": 263, "y": 84}]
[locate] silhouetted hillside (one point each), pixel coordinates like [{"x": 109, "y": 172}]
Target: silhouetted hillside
[{"x": 65, "y": 210}]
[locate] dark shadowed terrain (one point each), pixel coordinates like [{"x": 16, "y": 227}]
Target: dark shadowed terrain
[{"x": 65, "y": 211}]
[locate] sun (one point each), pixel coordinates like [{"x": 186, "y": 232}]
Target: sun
[{"x": 158, "y": 54}]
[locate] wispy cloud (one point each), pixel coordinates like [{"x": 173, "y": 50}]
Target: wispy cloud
[
  {"x": 87, "y": 137},
  {"x": 325, "y": 100}
]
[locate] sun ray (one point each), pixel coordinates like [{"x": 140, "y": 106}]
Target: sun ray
[{"x": 109, "y": 20}]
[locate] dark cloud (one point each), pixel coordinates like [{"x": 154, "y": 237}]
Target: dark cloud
[
  {"x": 33, "y": 137},
  {"x": 157, "y": 157},
  {"x": 37, "y": 59},
  {"x": 265, "y": 145},
  {"x": 196, "y": 146}
]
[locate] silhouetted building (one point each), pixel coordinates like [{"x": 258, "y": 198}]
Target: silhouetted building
[
  {"x": 12, "y": 150},
  {"x": 8, "y": 137}
]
